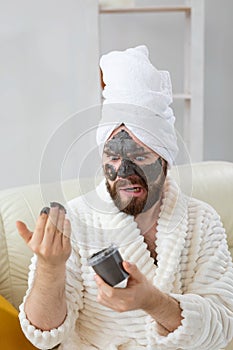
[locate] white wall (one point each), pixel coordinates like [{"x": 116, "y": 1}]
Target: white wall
[
  {"x": 49, "y": 70},
  {"x": 218, "y": 80},
  {"x": 163, "y": 34}
]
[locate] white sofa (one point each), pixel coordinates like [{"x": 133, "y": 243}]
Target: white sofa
[{"x": 211, "y": 182}]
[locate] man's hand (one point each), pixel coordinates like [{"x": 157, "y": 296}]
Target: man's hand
[
  {"x": 136, "y": 295},
  {"x": 51, "y": 237},
  {"x": 45, "y": 306},
  {"x": 141, "y": 294}
]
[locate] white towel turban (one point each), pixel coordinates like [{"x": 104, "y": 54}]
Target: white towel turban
[{"x": 137, "y": 95}]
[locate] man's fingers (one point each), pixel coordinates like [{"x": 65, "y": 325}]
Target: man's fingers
[
  {"x": 67, "y": 228},
  {"x": 132, "y": 270},
  {"x": 23, "y": 231},
  {"x": 57, "y": 241},
  {"x": 51, "y": 238},
  {"x": 40, "y": 227},
  {"x": 66, "y": 236},
  {"x": 60, "y": 221},
  {"x": 105, "y": 288},
  {"x": 51, "y": 226}
]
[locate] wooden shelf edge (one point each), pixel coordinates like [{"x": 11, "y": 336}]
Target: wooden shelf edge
[{"x": 113, "y": 10}]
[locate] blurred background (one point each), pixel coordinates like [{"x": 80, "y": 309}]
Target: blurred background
[{"x": 50, "y": 83}]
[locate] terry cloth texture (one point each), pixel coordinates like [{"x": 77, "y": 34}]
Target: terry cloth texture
[{"x": 194, "y": 266}]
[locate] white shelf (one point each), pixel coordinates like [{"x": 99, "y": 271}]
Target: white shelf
[
  {"x": 106, "y": 10},
  {"x": 182, "y": 96}
]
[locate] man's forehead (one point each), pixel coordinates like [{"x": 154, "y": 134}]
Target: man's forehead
[
  {"x": 123, "y": 135},
  {"x": 123, "y": 142},
  {"x": 119, "y": 129}
]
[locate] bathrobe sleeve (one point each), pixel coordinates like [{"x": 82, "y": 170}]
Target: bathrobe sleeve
[
  {"x": 49, "y": 339},
  {"x": 207, "y": 301}
]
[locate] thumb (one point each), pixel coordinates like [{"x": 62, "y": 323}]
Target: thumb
[
  {"x": 132, "y": 270},
  {"x": 23, "y": 231}
]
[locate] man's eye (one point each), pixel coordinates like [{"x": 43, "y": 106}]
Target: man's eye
[
  {"x": 114, "y": 157},
  {"x": 140, "y": 158}
]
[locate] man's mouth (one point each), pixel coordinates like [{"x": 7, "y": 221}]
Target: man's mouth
[{"x": 134, "y": 189}]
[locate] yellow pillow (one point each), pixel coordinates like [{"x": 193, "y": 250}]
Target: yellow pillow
[{"x": 11, "y": 335}]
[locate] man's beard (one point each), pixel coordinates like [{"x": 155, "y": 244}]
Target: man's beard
[{"x": 136, "y": 205}]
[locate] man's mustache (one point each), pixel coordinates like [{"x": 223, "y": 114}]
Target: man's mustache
[{"x": 131, "y": 180}]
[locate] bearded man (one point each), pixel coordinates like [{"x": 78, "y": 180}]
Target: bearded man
[{"x": 179, "y": 291}]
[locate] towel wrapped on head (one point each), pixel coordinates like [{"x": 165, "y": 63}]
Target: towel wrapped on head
[{"x": 138, "y": 95}]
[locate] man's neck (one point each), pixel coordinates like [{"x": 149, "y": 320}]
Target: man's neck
[{"x": 147, "y": 221}]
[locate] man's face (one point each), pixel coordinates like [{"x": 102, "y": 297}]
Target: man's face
[{"x": 134, "y": 173}]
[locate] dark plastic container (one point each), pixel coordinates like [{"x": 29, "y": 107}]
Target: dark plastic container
[{"x": 107, "y": 263}]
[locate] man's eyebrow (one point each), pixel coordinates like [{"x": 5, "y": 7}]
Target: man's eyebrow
[
  {"x": 140, "y": 153},
  {"x": 109, "y": 152},
  {"x": 136, "y": 152}
]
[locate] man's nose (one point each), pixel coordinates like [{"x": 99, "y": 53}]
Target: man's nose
[{"x": 127, "y": 168}]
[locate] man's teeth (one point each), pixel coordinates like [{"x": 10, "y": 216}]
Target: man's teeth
[{"x": 133, "y": 189}]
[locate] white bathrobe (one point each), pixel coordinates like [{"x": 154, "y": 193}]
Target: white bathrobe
[{"x": 194, "y": 266}]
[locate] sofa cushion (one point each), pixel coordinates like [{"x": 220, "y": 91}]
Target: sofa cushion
[
  {"x": 211, "y": 182},
  {"x": 11, "y": 335}
]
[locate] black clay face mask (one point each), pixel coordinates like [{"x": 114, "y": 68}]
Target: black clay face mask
[{"x": 137, "y": 167}]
